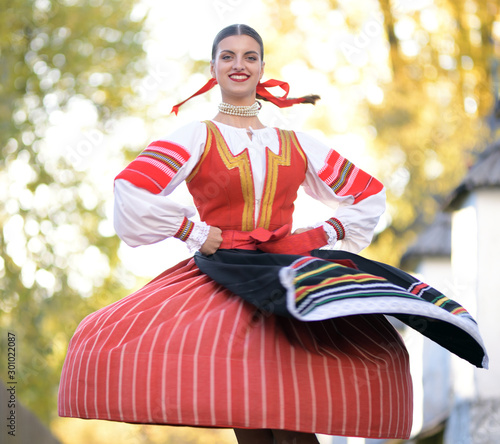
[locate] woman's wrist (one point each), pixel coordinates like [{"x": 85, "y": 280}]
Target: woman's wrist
[
  {"x": 198, "y": 236},
  {"x": 334, "y": 230}
]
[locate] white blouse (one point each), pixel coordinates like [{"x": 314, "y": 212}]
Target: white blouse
[{"x": 141, "y": 217}]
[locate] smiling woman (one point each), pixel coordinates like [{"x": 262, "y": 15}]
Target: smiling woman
[
  {"x": 238, "y": 68},
  {"x": 264, "y": 330}
]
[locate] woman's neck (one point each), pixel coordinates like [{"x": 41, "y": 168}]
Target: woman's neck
[{"x": 239, "y": 121}]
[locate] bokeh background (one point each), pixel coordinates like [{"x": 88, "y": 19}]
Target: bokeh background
[{"x": 409, "y": 91}]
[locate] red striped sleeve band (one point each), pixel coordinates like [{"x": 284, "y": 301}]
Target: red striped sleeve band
[
  {"x": 345, "y": 179},
  {"x": 185, "y": 230},
  {"x": 155, "y": 167},
  {"x": 337, "y": 226}
]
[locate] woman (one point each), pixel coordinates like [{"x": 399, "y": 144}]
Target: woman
[{"x": 221, "y": 340}]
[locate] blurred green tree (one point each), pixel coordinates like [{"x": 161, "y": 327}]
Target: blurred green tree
[{"x": 53, "y": 52}]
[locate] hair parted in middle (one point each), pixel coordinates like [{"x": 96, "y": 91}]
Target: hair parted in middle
[{"x": 237, "y": 29}]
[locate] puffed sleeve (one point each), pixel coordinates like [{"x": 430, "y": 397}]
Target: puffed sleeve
[
  {"x": 143, "y": 214},
  {"x": 358, "y": 199}
]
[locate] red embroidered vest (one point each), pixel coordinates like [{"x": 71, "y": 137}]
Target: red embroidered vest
[{"x": 223, "y": 190}]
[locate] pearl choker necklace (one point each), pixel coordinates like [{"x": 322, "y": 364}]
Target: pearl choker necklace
[{"x": 245, "y": 111}]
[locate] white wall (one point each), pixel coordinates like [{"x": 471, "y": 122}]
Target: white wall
[
  {"x": 476, "y": 267},
  {"x": 488, "y": 288}
]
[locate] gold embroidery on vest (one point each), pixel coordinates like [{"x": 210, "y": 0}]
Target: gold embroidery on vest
[
  {"x": 273, "y": 161},
  {"x": 242, "y": 162}
]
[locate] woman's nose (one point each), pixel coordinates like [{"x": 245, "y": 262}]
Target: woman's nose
[{"x": 238, "y": 64}]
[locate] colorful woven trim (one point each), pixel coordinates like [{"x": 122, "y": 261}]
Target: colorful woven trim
[
  {"x": 155, "y": 167},
  {"x": 430, "y": 294},
  {"x": 346, "y": 179},
  {"x": 337, "y": 226},
  {"x": 318, "y": 283},
  {"x": 185, "y": 230},
  {"x": 449, "y": 305}
]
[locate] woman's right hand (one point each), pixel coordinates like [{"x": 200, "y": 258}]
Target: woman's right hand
[{"x": 214, "y": 239}]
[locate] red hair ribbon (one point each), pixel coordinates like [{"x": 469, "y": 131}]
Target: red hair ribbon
[
  {"x": 281, "y": 102},
  {"x": 207, "y": 87}
]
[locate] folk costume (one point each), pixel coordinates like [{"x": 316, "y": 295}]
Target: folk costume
[{"x": 270, "y": 331}]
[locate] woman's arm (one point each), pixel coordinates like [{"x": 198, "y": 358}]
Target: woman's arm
[
  {"x": 358, "y": 199},
  {"x": 143, "y": 218},
  {"x": 143, "y": 214}
]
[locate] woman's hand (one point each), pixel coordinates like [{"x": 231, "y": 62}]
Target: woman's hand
[{"x": 213, "y": 241}]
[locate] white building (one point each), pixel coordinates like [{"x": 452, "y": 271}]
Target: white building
[
  {"x": 475, "y": 261},
  {"x": 429, "y": 258}
]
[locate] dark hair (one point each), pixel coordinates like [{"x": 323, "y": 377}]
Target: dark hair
[
  {"x": 237, "y": 29},
  {"x": 240, "y": 29}
]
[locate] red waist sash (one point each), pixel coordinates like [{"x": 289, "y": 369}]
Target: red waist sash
[{"x": 280, "y": 241}]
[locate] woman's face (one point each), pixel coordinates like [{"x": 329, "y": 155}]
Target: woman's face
[{"x": 238, "y": 68}]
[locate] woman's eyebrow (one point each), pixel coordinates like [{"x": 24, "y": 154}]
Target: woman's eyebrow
[{"x": 232, "y": 52}]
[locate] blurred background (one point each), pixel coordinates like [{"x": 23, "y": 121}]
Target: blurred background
[{"x": 409, "y": 92}]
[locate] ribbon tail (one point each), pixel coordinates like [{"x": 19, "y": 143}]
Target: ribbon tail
[
  {"x": 208, "y": 86},
  {"x": 281, "y": 102}
]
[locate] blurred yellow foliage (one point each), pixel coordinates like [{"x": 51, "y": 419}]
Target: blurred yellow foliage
[
  {"x": 79, "y": 431},
  {"x": 418, "y": 81}
]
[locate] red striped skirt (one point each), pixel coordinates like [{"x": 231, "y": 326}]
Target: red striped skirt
[{"x": 185, "y": 351}]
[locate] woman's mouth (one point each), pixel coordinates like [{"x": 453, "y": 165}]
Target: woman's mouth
[{"x": 239, "y": 77}]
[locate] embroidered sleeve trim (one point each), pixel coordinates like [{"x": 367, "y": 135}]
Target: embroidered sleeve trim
[
  {"x": 185, "y": 230},
  {"x": 337, "y": 226},
  {"x": 155, "y": 167},
  {"x": 345, "y": 179}
]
